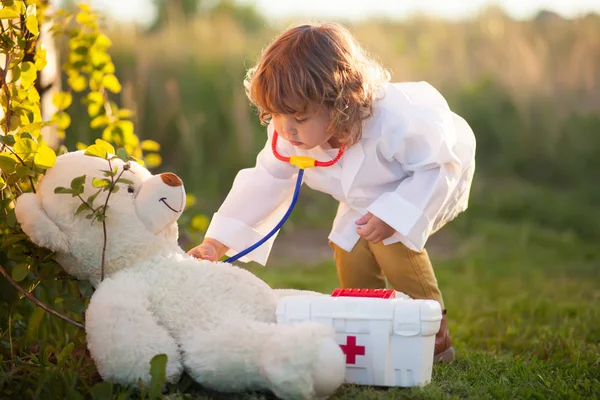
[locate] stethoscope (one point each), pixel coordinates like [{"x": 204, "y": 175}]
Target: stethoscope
[{"x": 302, "y": 162}]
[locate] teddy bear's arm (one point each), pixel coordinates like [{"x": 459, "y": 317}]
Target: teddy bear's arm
[{"x": 36, "y": 224}]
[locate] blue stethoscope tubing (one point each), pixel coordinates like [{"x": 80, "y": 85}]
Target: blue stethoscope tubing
[{"x": 278, "y": 226}]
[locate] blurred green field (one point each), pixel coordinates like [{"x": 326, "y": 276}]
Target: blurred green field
[{"x": 530, "y": 90}]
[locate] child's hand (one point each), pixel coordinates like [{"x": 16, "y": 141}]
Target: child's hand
[
  {"x": 209, "y": 249},
  {"x": 373, "y": 229}
]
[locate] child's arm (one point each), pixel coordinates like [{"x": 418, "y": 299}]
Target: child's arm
[
  {"x": 435, "y": 147},
  {"x": 257, "y": 200}
]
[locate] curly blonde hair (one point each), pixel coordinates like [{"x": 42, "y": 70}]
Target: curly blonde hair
[{"x": 320, "y": 64}]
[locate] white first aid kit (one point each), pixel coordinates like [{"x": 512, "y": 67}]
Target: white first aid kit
[{"x": 388, "y": 339}]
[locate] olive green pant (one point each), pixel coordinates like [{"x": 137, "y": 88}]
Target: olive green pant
[{"x": 368, "y": 265}]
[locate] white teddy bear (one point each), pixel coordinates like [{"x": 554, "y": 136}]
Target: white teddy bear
[{"x": 213, "y": 320}]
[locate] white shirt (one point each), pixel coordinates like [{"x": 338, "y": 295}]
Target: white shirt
[{"x": 412, "y": 168}]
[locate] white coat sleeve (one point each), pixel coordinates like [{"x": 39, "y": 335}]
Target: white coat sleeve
[
  {"x": 258, "y": 199},
  {"x": 421, "y": 135}
]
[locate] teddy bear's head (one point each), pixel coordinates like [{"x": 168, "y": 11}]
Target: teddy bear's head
[{"x": 141, "y": 218}]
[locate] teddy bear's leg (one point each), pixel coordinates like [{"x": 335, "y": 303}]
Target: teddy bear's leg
[
  {"x": 123, "y": 335},
  {"x": 300, "y": 361}
]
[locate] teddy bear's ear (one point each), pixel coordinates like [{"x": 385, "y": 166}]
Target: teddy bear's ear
[{"x": 36, "y": 224}]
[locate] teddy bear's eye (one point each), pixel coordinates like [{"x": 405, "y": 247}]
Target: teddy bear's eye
[{"x": 130, "y": 189}]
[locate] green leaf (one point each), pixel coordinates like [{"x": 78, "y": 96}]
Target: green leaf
[
  {"x": 8, "y": 13},
  {"x": 34, "y": 322},
  {"x": 122, "y": 154},
  {"x": 102, "y": 42},
  {"x": 124, "y": 113},
  {"x": 45, "y": 157},
  {"x": 105, "y": 145},
  {"x": 77, "y": 82},
  {"x": 62, "y": 100},
  {"x": 7, "y": 162},
  {"x": 40, "y": 59},
  {"x": 65, "y": 354},
  {"x": 85, "y": 19},
  {"x": 85, "y": 289},
  {"x": 158, "y": 372},
  {"x": 20, "y": 272},
  {"x": 150, "y": 145},
  {"x": 108, "y": 173},
  {"x": 11, "y": 239},
  {"x": 23, "y": 135},
  {"x": 98, "y": 58},
  {"x": 125, "y": 181},
  {"x": 63, "y": 190},
  {"x": 25, "y": 147},
  {"x": 23, "y": 171},
  {"x": 11, "y": 218},
  {"x": 100, "y": 183},
  {"x": 113, "y": 133},
  {"x": 77, "y": 183},
  {"x": 109, "y": 68},
  {"x": 16, "y": 74},
  {"x": 94, "y": 109},
  {"x": 82, "y": 207},
  {"x": 126, "y": 127},
  {"x": 31, "y": 9},
  {"x": 152, "y": 160},
  {"x": 33, "y": 95},
  {"x": 96, "y": 151},
  {"x": 92, "y": 198},
  {"x": 15, "y": 253},
  {"x": 32, "y": 25},
  {"x": 115, "y": 189},
  {"x": 99, "y": 121},
  {"x": 62, "y": 120},
  {"x": 110, "y": 82},
  {"x": 8, "y": 140},
  {"x": 33, "y": 129},
  {"x": 94, "y": 97},
  {"x": 28, "y": 74}
]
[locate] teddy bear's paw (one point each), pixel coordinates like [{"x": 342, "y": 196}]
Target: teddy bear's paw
[
  {"x": 329, "y": 369},
  {"x": 303, "y": 361}
]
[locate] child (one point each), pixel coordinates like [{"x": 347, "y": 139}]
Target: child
[{"x": 405, "y": 172}]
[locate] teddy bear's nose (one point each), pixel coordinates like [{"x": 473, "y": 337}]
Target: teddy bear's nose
[{"x": 171, "y": 179}]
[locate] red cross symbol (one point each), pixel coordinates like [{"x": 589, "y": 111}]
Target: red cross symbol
[{"x": 351, "y": 350}]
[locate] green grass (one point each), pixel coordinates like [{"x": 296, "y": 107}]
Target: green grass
[{"x": 522, "y": 307}]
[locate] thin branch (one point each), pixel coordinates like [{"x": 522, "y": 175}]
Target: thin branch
[
  {"x": 36, "y": 301},
  {"x": 7, "y": 92},
  {"x": 112, "y": 185},
  {"x": 19, "y": 189},
  {"x": 86, "y": 203},
  {"x": 107, "y": 108},
  {"x": 104, "y": 245}
]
